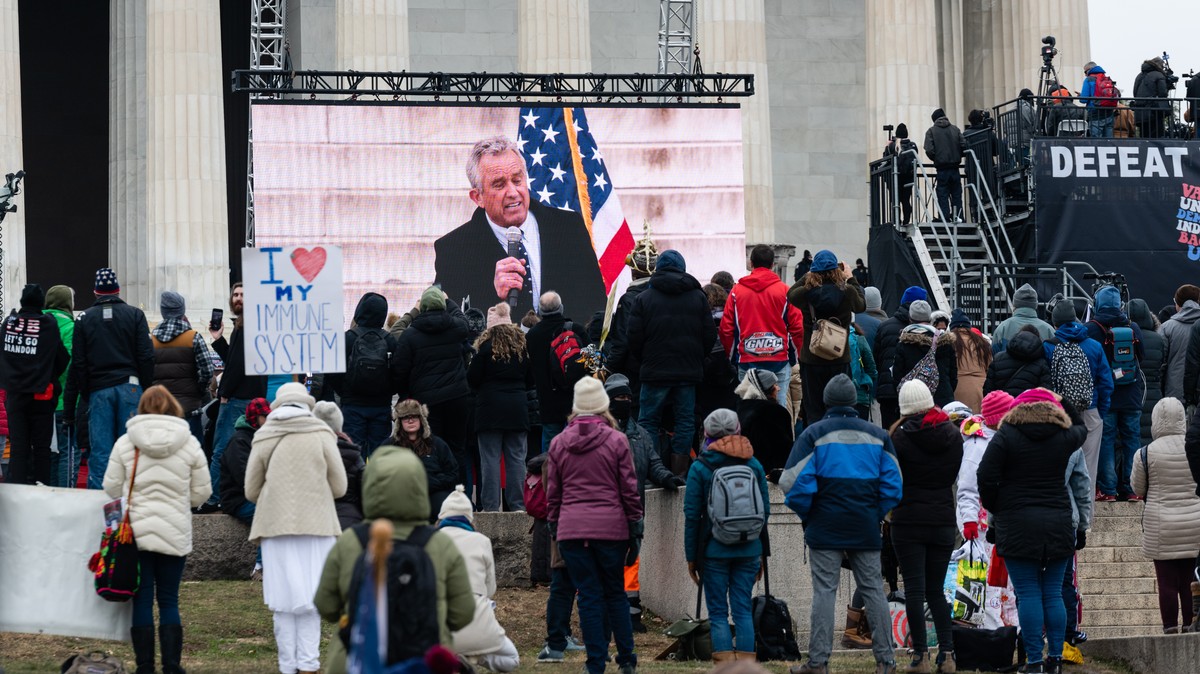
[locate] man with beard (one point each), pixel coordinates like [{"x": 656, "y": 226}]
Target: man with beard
[{"x": 236, "y": 391}]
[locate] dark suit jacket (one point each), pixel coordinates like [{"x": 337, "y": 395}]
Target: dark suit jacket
[{"x": 467, "y": 256}]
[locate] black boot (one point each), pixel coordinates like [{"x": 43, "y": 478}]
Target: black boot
[
  {"x": 170, "y": 637},
  {"x": 143, "y": 648}
]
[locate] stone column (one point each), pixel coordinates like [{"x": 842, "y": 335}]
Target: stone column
[
  {"x": 553, "y": 36},
  {"x": 168, "y": 219},
  {"x": 902, "y": 69},
  {"x": 11, "y": 153},
  {"x": 1066, "y": 20},
  {"x": 950, "y": 71},
  {"x": 732, "y": 36},
  {"x": 372, "y": 35},
  {"x": 993, "y": 74}
]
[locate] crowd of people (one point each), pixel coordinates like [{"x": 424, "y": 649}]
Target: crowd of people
[{"x": 893, "y": 437}]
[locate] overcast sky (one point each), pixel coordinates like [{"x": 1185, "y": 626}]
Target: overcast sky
[{"x": 1125, "y": 33}]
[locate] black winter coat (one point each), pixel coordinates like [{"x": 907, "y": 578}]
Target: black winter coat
[
  {"x": 441, "y": 469},
  {"x": 671, "y": 330},
  {"x": 233, "y": 469},
  {"x": 428, "y": 364},
  {"x": 915, "y": 341},
  {"x": 235, "y": 383},
  {"x": 1022, "y": 481},
  {"x": 1151, "y": 83},
  {"x": 1020, "y": 367},
  {"x": 647, "y": 464},
  {"x": 826, "y": 301},
  {"x": 501, "y": 401},
  {"x": 944, "y": 144},
  {"x": 768, "y": 426},
  {"x": 617, "y": 346},
  {"x": 1153, "y": 362},
  {"x": 36, "y": 357},
  {"x": 554, "y": 399},
  {"x": 106, "y": 353},
  {"x": 930, "y": 451},
  {"x": 1191, "y": 447},
  {"x": 887, "y": 338},
  {"x": 370, "y": 314},
  {"x": 349, "y": 506}
]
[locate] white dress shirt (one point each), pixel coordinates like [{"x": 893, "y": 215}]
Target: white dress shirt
[{"x": 532, "y": 239}]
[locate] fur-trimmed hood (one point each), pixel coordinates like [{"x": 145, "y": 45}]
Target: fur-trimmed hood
[
  {"x": 921, "y": 334},
  {"x": 1031, "y": 416}
]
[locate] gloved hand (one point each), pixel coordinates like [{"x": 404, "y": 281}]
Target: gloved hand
[
  {"x": 674, "y": 483},
  {"x": 1080, "y": 540},
  {"x": 693, "y": 573},
  {"x": 636, "y": 529},
  {"x": 990, "y": 536},
  {"x": 553, "y": 527},
  {"x": 631, "y": 554},
  {"x": 970, "y": 531}
]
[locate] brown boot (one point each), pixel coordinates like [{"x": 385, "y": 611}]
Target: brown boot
[
  {"x": 747, "y": 656},
  {"x": 723, "y": 656},
  {"x": 919, "y": 664},
  {"x": 858, "y": 633},
  {"x": 946, "y": 663}
]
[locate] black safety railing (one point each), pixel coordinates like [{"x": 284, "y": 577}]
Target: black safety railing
[{"x": 980, "y": 291}]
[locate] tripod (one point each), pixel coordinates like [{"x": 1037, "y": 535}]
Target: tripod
[{"x": 1049, "y": 75}]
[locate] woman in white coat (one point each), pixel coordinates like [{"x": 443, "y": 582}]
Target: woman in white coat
[
  {"x": 293, "y": 476},
  {"x": 484, "y": 640},
  {"x": 1171, "y": 519},
  {"x": 169, "y": 477}
]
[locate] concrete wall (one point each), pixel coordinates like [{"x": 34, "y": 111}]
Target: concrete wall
[
  {"x": 1160, "y": 654},
  {"x": 463, "y": 36},
  {"x": 624, "y": 36}
]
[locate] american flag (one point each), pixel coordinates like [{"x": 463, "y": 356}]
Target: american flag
[{"x": 567, "y": 171}]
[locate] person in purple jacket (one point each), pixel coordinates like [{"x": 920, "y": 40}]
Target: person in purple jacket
[{"x": 595, "y": 514}]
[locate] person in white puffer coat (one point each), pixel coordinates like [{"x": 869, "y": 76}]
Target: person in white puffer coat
[
  {"x": 1171, "y": 519},
  {"x": 483, "y": 641},
  {"x": 169, "y": 477}
]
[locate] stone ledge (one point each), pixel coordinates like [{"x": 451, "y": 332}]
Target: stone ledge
[{"x": 1157, "y": 654}]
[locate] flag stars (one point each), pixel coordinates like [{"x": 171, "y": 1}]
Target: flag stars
[
  {"x": 575, "y": 125},
  {"x": 549, "y": 133},
  {"x": 558, "y": 172},
  {"x": 544, "y": 196},
  {"x": 596, "y": 156},
  {"x": 537, "y": 157},
  {"x": 521, "y": 145},
  {"x": 529, "y": 119},
  {"x": 600, "y": 182}
]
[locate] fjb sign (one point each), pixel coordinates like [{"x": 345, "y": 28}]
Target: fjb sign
[{"x": 293, "y": 310}]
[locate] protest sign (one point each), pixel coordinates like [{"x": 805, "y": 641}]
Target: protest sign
[{"x": 293, "y": 310}]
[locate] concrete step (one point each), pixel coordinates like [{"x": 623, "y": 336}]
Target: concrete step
[
  {"x": 1108, "y": 632},
  {"x": 1125, "y": 586},
  {"x": 1113, "y": 539},
  {"x": 1130, "y": 523},
  {"x": 1108, "y": 602},
  {"x": 1090, "y": 555},
  {"x": 1120, "y": 617},
  {"x": 1119, "y": 571},
  {"x": 1117, "y": 509}
]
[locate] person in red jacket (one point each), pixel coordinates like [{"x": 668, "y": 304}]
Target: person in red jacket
[{"x": 759, "y": 329}]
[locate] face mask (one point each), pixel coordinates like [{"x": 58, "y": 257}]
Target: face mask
[{"x": 620, "y": 409}]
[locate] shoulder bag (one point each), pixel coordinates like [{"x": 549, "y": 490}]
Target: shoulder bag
[{"x": 117, "y": 574}]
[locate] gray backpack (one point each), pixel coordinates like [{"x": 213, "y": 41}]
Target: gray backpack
[{"x": 735, "y": 504}]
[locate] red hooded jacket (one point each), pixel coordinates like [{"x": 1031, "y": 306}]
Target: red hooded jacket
[{"x": 758, "y": 321}]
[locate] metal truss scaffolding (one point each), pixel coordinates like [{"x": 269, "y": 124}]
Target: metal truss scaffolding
[
  {"x": 676, "y": 26},
  {"x": 268, "y": 53}
]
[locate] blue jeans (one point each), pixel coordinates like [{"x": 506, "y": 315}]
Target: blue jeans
[
  {"x": 369, "y": 427},
  {"x": 1040, "y": 605},
  {"x": 65, "y": 464},
  {"x": 161, "y": 575},
  {"x": 549, "y": 432},
  {"x": 598, "y": 569},
  {"x": 108, "y": 410},
  {"x": 682, "y": 400},
  {"x": 1100, "y": 124},
  {"x": 949, "y": 193},
  {"x": 245, "y": 513},
  {"x": 728, "y": 585},
  {"x": 782, "y": 371},
  {"x": 226, "y": 418},
  {"x": 1124, "y": 426},
  {"x": 558, "y": 609},
  {"x": 1070, "y": 597}
]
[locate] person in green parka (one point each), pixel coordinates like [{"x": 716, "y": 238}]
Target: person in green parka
[
  {"x": 64, "y": 464},
  {"x": 395, "y": 488}
]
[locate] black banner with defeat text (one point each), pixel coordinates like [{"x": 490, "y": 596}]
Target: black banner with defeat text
[{"x": 1123, "y": 205}]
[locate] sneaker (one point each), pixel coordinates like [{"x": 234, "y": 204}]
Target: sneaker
[
  {"x": 207, "y": 509},
  {"x": 548, "y": 655},
  {"x": 628, "y": 669},
  {"x": 1077, "y": 637},
  {"x": 256, "y": 574},
  {"x": 1135, "y": 498},
  {"x": 1105, "y": 498},
  {"x": 573, "y": 645}
]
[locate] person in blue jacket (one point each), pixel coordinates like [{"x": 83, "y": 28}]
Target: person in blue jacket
[
  {"x": 842, "y": 479},
  {"x": 1123, "y": 423},
  {"x": 1068, "y": 329},
  {"x": 1100, "y": 118},
  {"x": 728, "y": 572}
]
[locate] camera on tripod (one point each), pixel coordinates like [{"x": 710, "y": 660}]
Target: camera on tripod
[
  {"x": 1048, "y": 51},
  {"x": 1172, "y": 78}
]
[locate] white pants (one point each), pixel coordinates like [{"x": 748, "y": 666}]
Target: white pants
[
  {"x": 506, "y": 659},
  {"x": 298, "y": 638},
  {"x": 1091, "y": 446}
]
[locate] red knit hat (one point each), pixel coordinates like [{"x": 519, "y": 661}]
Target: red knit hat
[
  {"x": 259, "y": 407},
  {"x": 995, "y": 405},
  {"x": 1037, "y": 395}
]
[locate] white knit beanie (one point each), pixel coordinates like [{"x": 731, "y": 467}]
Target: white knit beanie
[
  {"x": 915, "y": 398},
  {"x": 590, "y": 397},
  {"x": 457, "y": 505},
  {"x": 329, "y": 413}
]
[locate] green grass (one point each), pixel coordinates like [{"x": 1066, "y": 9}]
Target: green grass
[{"x": 227, "y": 629}]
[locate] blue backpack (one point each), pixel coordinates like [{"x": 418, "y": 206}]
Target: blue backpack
[
  {"x": 862, "y": 380},
  {"x": 1120, "y": 347}
]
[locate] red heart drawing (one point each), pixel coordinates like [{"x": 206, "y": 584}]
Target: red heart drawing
[{"x": 309, "y": 263}]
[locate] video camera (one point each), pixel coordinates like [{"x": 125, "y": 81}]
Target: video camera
[
  {"x": 10, "y": 189},
  {"x": 1109, "y": 278},
  {"x": 1172, "y": 78},
  {"x": 1048, "y": 51}
]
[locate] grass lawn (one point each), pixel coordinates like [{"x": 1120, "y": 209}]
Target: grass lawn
[{"x": 228, "y": 629}]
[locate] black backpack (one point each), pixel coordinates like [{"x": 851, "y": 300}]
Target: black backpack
[
  {"x": 411, "y": 595},
  {"x": 774, "y": 632},
  {"x": 367, "y": 369}
]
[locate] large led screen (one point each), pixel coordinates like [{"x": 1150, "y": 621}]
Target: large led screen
[{"x": 391, "y": 185}]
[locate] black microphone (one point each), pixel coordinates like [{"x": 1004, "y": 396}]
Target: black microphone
[{"x": 514, "y": 250}]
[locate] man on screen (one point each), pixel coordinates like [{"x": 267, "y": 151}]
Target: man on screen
[{"x": 555, "y": 250}]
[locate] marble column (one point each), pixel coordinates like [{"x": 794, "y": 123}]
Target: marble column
[
  {"x": 168, "y": 218},
  {"x": 994, "y": 73},
  {"x": 950, "y": 70},
  {"x": 553, "y": 36},
  {"x": 11, "y": 153},
  {"x": 902, "y": 69},
  {"x": 372, "y": 35},
  {"x": 733, "y": 39},
  {"x": 1066, "y": 20}
]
